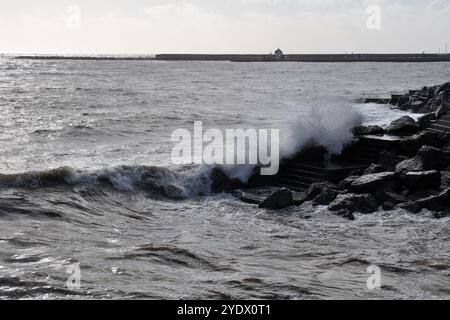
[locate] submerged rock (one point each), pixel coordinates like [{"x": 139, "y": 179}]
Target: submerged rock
[
  {"x": 403, "y": 126},
  {"x": 372, "y": 182},
  {"x": 280, "y": 199}
]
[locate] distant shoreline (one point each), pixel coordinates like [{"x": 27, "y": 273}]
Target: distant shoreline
[{"x": 421, "y": 57}]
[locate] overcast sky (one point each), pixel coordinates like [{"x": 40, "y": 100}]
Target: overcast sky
[{"x": 221, "y": 26}]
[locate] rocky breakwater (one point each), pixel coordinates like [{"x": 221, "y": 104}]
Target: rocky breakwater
[{"x": 414, "y": 176}]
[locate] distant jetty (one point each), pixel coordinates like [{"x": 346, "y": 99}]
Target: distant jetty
[
  {"x": 307, "y": 57},
  {"x": 278, "y": 56}
]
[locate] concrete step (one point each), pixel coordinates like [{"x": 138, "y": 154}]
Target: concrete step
[
  {"x": 292, "y": 184},
  {"x": 297, "y": 177},
  {"x": 439, "y": 127},
  {"x": 307, "y": 167},
  {"x": 294, "y": 170},
  {"x": 442, "y": 122}
]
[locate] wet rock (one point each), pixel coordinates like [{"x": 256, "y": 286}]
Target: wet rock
[
  {"x": 416, "y": 106},
  {"x": 372, "y": 182},
  {"x": 411, "y": 145},
  {"x": 388, "y": 206},
  {"x": 421, "y": 179},
  {"x": 367, "y": 130},
  {"x": 442, "y": 110},
  {"x": 347, "y": 182},
  {"x": 326, "y": 197},
  {"x": 388, "y": 160},
  {"x": 409, "y": 206},
  {"x": 390, "y": 196},
  {"x": 316, "y": 189},
  {"x": 222, "y": 183},
  {"x": 445, "y": 179},
  {"x": 403, "y": 126},
  {"x": 374, "y": 168},
  {"x": 363, "y": 203},
  {"x": 280, "y": 199},
  {"x": 346, "y": 214},
  {"x": 425, "y": 120},
  {"x": 432, "y": 158},
  {"x": 413, "y": 164},
  {"x": 436, "y": 202}
]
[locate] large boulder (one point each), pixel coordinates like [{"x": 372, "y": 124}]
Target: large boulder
[
  {"x": 432, "y": 158},
  {"x": 421, "y": 179},
  {"x": 413, "y": 164},
  {"x": 372, "y": 182},
  {"x": 363, "y": 203},
  {"x": 280, "y": 199},
  {"x": 367, "y": 130},
  {"x": 411, "y": 145},
  {"x": 403, "y": 126}
]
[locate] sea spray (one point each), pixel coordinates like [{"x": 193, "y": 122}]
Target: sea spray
[{"x": 327, "y": 122}]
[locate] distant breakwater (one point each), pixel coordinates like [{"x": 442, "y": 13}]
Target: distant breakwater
[{"x": 258, "y": 57}]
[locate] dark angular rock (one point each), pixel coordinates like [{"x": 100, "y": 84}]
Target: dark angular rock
[
  {"x": 403, "y": 126},
  {"x": 325, "y": 197},
  {"x": 432, "y": 158},
  {"x": 280, "y": 199},
  {"x": 374, "y": 168},
  {"x": 421, "y": 179},
  {"x": 416, "y": 106},
  {"x": 411, "y": 145},
  {"x": 346, "y": 214},
  {"x": 367, "y": 130},
  {"x": 389, "y": 196},
  {"x": 373, "y": 182},
  {"x": 389, "y": 160},
  {"x": 222, "y": 183},
  {"x": 413, "y": 164},
  {"x": 442, "y": 110},
  {"x": 316, "y": 188},
  {"x": 409, "y": 206},
  {"x": 425, "y": 120},
  {"x": 388, "y": 206},
  {"x": 435, "y": 203},
  {"x": 364, "y": 203},
  {"x": 346, "y": 183}
]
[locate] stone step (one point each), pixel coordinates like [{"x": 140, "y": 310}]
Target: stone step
[
  {"x": 300, "y": 172},
  {"x": 307, "y": 167},
  {"x": 292, "y": 184},
  {"x": 439, "y": 127},
  {"x": 442, "y": 122},
  {"x": 297, "y": 177}
]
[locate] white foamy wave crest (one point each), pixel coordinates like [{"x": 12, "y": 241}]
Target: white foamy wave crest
[{"x": 327, "y": 122}]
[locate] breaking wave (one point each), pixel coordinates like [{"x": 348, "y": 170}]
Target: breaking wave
[
  {"x": 176, "y": 184},
  {"x": 326, "y": 122}
]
